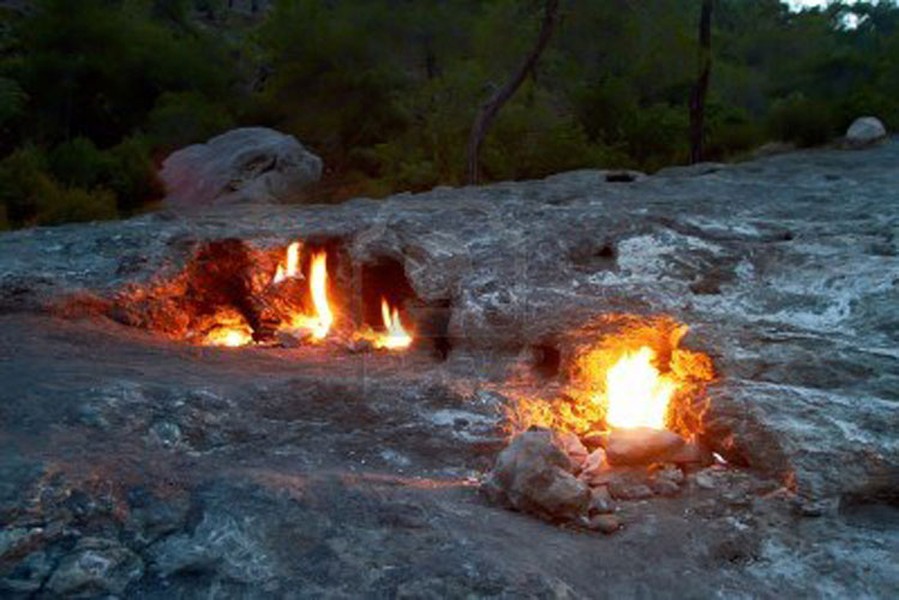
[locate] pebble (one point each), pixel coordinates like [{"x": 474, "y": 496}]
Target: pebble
[
  {"x": 607, "y": 524},
  {"x": 705, "y": 481},
  {"x": 642, "y": 446},
  {"x": 601, "y": 502}
]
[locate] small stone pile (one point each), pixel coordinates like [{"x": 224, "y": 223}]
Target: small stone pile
[{"x": 564, "y": 478}]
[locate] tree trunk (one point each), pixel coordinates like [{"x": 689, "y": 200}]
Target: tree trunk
[
  {"x": 701, "y": 90},
  {"x": 491, "y": 107}
]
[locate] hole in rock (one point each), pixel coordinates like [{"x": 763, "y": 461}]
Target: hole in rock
[
  {"x": 547, "y": 360},
  {"x": 623, "y": 372},
  {"x": 233, "y": 294},
  {"x": 620, "y": 177}
]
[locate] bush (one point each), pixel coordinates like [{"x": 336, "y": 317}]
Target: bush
[
  {"x": 31, "y": 196},
  {"x": 24, "y": 178},
  {"x": 12, "y": 100},
  {"x": 803, "y": 121},
  {"x": 58, "y": 205},
  {"x": 730, "y": 132},
  {"x": 79, "y": 163},
  {"x": 133, "y": 178},
  {"x": 657, "y": 136},
  {"x": 180, "y": 119}
]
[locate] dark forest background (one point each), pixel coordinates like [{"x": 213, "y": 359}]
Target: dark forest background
[{"x": 95, "y": 93}]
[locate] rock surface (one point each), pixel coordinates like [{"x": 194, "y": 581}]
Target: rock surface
[
  {"x": 252, "y": 164},
  {"x": 642, "y": 446},
  {"x": 865, "y": 131},
  {"x": 533, "y": 474},
  {"x": 310, "y": 471}
]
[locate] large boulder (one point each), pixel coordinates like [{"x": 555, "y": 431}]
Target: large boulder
[
  {"x": 865, "y": 131},
  {"x": 252, "y": 164},
  {"x": 533, "y": 474}
]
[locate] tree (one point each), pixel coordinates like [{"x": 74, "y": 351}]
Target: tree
[
  {"x": 491, "y": 108},
  {"x": 701, "y": 89}
]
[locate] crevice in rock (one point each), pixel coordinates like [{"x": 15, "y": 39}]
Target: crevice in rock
[{"x": 547, "y": 359}]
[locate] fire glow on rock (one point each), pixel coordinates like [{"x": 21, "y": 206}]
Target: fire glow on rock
[
  {"x": 315, "y": 321},
  {"x": 636, "y": 375}
]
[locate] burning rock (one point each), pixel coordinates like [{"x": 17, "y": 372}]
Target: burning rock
[
  {"x": 533, "y": 474},
  {"x": 573, "y": 447},
  {"x": 593, "y": 467},
  {"x": 642, "y": 446}
]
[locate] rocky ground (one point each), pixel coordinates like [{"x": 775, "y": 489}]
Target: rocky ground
[{"x": 139, "y": 466}]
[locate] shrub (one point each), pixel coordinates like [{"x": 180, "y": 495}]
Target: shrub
[
  {"x": 12, "y": 100},
  {"x": 58, "y": 205},
  {"x": 23, "y": 180},
  {"x": 803, "y": 121},
  {"x": 133, "y": 176},
  {"x": 79, "y": 163},
  {"x": 179, "y": 119}
]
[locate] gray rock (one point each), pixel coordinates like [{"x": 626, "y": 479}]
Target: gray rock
[
  {"x": 642, "y": 446},
  {"x": 604, "y": 523},
  {"x": 601, "y": 502},
  {"x": 624, "y": 489},
  {"x": 532, "y": 474},
  {"x": 864, "y": 132},
  {"x": 806, "y": 395},
  {"x": 573, "y": 447},
  {"x": 95, "y": 567},
  {"x": 593, "y": 467},
  {"x": 252, "y": 164}
]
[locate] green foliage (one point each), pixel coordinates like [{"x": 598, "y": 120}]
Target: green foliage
[
  {"x": 79, "y": 163},
  {"x": 132, "y": 177},
  {"x": 31, "y": 196},
  {"x": 803, "y": 121},
  {"x": 184, "y": 118},
  {"x": 12, "y": 100},
  {"x": 386, "y": 90}
]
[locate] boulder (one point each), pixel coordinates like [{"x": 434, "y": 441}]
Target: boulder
[
  {"x": 532, "y": 474},
  {"x": 96, "y": 567},
  {"x": 642, "y": 446},
  {"x": 251, "y": 164},
  {"x": 865, "y": 131}
]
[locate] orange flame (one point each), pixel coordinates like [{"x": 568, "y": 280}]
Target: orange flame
[
  {"x": 637, "y": 395},
  {"x": 395, "y": 336},
  {"x": 291, "y": 267},
  {"x": 319, "y": 323},
  {"x": 231, "y": 330}
]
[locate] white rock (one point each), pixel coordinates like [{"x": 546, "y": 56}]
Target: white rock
[
  {"x": 252, "y": 164},
  {"x": 865, "y": 131}
]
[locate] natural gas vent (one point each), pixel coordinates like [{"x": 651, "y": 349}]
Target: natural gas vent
[
  {"x": 232, "y": 294},
  {"x": 547, "y": 360},
  {"x": 387, "y": 300}
]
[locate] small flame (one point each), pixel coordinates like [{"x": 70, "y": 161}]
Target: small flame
[
  {"x": 319, "y": 323},
  {"x": 395, "y": 336},
  {"x": 231, "y": 330},
  {"x": 637, "y": 395},
  {"x": 291, "y": 267}
]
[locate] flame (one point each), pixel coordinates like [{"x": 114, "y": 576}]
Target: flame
[
  {"x": 637, "y": 395},
  {"x": 230, "y": 330},
  {"x": 319, "y": 323},
  {"x": 634, "y": 375},
  {"x": 395, "y": 336},
  {"x": 291, "y": 266}
]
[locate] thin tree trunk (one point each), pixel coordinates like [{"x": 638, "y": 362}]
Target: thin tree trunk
[
  {"x": 701, "y": 90},
  {"x": 489, "y": 110}
]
